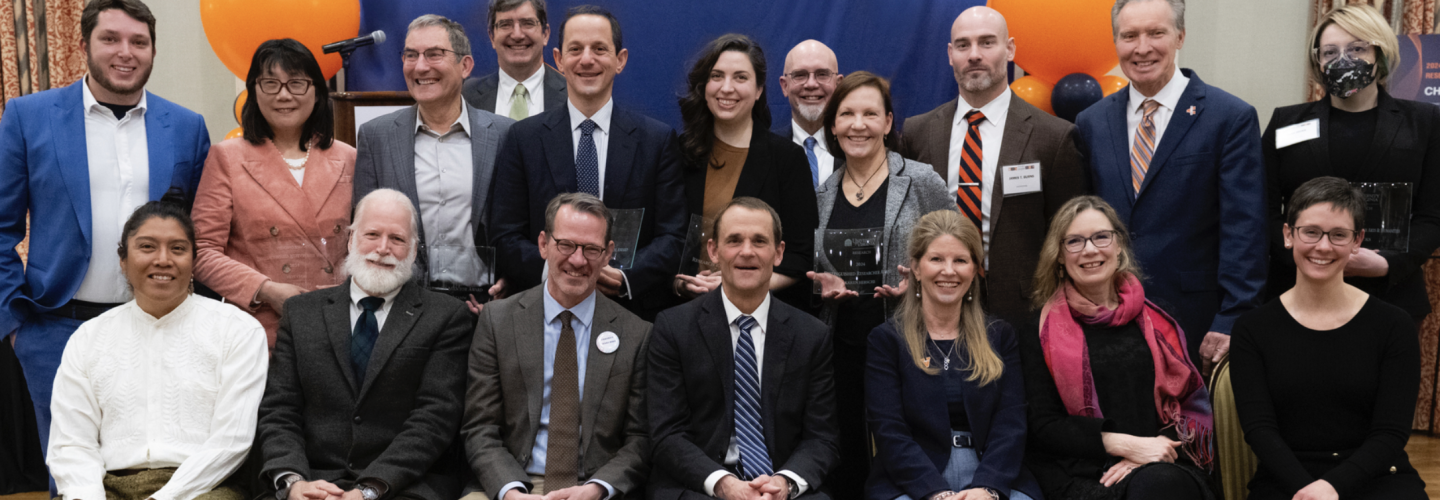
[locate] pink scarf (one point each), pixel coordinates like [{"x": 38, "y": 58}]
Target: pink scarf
[{"x": 1180, "y": 395}]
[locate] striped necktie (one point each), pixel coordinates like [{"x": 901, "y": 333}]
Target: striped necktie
[
  {"x": 1144, "y": 147},
  {"x": 972, "y": 159},
  {"x": 749, "y": 435}
]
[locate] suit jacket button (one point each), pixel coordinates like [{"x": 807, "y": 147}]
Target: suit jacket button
[
  {"x": 274, "y": 231},
  {"x": 285, "y": 269},
  {"x": 357, "y": 420},
  {"x": 329, "y": 270}
]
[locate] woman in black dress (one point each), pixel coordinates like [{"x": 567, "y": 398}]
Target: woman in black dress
[
  {"x": 1117, "y": 409},
  {"x": 1325, "y": 376}
]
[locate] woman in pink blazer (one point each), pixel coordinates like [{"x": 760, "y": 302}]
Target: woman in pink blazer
[{"x": 273, "y": 208}]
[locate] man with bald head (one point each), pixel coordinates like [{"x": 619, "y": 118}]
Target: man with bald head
[
  {"x": 811, "y": 72},
  {"x": 996, "y": 151}
]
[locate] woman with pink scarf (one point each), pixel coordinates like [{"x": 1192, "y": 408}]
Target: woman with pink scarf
[{"x": 1117, "y": 409}]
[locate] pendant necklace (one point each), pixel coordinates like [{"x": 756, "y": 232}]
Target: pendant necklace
[
  {"x": 947, "y": 355},
  {"x": 860, "y": 188}
]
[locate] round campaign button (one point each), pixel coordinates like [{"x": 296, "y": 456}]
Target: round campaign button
[{"x": 608, "y": 342}]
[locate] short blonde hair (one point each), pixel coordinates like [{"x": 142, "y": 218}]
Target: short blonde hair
[
  {"x": 1050, "y": 272},
  {"x": 1363, "y": 22}
]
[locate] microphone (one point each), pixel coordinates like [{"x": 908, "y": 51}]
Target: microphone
[{"x": 355, "y": 43}]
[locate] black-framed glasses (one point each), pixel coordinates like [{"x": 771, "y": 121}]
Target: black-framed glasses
[
  {"x": 272, "y": 86},
  {"x": 527, "y": 24},
  {"x": 567, "y": 248},
  {"x": 432, "y": 55},
  {"x": 1075, "y": 243},
  {"x": 1338, "y": 236},
  {"x": 1358, "y": 49},
  {"x": 822, "y": 76}
]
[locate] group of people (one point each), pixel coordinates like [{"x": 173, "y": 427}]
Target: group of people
[{"x": 1056, "y": 352}]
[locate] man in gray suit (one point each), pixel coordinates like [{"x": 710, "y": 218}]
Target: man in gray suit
[
  {"x": 440, "y": 152},
  {"x": 363, "y": 396},
  {"x": 524, "y": 86},
  {"x": 994, "y": 149},
  {"x": 557, "y": 375}
]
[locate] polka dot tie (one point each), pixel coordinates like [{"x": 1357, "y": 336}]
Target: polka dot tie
[{"x": 587, "y": 160}]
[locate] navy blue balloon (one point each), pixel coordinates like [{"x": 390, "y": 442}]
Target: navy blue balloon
[{"x": 1073, "y": 94}]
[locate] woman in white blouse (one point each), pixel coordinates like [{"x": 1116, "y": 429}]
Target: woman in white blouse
[{"x": 157, "y": 399}]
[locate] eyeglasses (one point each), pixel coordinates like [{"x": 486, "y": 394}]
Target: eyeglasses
[
  {"x": 432, "y": 55},
  {"x": 567, "y": 248},
  {"x": 272, "y": 86},
  {"x": 1101, "y": 239},
  {"x": 527, "y": 24},
  {"x": 822, "y": 76},
  {"x": 1338, "y": 236},
  {"x": 1356, "y": 50}
]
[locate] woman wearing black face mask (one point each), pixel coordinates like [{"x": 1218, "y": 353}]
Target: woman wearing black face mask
[{"x": 1358, "y": 132}]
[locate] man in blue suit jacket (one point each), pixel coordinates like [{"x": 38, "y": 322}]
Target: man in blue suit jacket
[
  {"x": 627, "y": 159},
  {"x": 1180, "y": 162},
  {"x": 78, "y": 160}
]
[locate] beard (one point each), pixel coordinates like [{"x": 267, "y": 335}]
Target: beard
[
  {"x": 979, "y": 84},
  {"x": 377, "y": 280},
  {"x": 98, "y": 73},
  {"x": 810, "y": 112}
]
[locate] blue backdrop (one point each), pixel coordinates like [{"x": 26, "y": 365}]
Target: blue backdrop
[{"x": 903, "y": 40}]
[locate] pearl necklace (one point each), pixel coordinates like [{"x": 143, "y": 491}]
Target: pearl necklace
[{"x": 295, "y": 164}]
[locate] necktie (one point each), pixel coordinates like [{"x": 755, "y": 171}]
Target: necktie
[
  {"x": 362, "y": 338},
  {"x": 587, "y": 161},
  {"x": 562, "y": 457},
  {"x": 1144, "y": 146},
  {"x": 749, "y": 435},
  {"x": 520, "y": 103},
  {"x": 972, "y": 159},
  {"x": 814, "y": 162}
]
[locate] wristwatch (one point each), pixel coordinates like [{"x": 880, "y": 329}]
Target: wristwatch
[
  {"x": 288, "y": 479},
  {"x": 794, "y": 488},
  {"x": 369, "y": 492},
  {"x": 994, "y": 495}
]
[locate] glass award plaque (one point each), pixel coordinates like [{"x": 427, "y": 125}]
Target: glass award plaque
[
  {"x": 853, "y": 255},
  {"x": 1387, "y": 214},
  {"x": 692, "y": 257},
  {"x": 625, "y": 224},
  {"x": 460, "y": 269}
]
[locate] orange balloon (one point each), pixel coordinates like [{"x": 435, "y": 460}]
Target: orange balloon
[
  {"x": 236, "y": 28},
  {"x": 1057, "y": 38},
  {"x": 235, "y": 133},
  {"x": 240, "y": 103},
  {"x": 1034, "y": 91},
  {"x": 1109, "y": 84}
]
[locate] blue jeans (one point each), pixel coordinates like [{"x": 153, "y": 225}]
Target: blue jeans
[
  {"x": 961, "y": 470},
  {"x": 39, "y": 344}
]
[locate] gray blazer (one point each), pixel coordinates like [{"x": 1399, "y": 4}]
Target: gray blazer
[
  {"x": 385, "y": 158},
  {"x": 507, "y": 385},
  {"x": 915, "y": 190},
  {"x": 480, "y": 91}
]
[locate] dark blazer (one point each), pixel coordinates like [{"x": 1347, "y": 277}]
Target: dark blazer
[
  {"x": 911, "y": 424},
  {"x": 1406, "y": 148},
  {"x": 642, "y": 170},
  {"x": 692, "y": 387},
  {"x": 394, "y": 425},
  {"x": 480, "y": 91},
  {"x": 1198, "y": 224},
  {"x": 1030, "y": 135},
  {"x": 777, "y": 173},
  {"x": 507, "y": 385},
  {"x": 385, "y": 158},
  {"x": 44, "y": 162}
]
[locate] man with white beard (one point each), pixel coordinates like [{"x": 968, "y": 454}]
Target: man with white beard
[
  {"x": 811, "y": 72},
  {"x": 367, "y": 378}
]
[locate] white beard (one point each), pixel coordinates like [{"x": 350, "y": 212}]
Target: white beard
[
  {"x": 810, "y": 112},
  {"x": 375, "y": 279}
]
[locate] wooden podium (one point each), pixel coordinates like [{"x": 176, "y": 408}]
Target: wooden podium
[{"x": 346, "y": 102}]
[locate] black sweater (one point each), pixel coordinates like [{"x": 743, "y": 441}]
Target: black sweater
[{"x": 1333, "y": 405}]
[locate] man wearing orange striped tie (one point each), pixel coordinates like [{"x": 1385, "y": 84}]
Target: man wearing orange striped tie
[
  {"x": 996, "y": 152},
  {"x": 1180, "y": 161}
]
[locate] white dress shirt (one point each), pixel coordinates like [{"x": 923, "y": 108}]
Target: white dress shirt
[
  {"x": 505, "y": 92},
  {"x": 380, "y": 314},
  {"x": 823, "y": 159},
  {"x": 137, "y": 392},
  {"x": 445, "y": 182},
  {"x": 118, "y": 156},
  {"x": 601, "y": 135},
  {"x": 1168, "y": 97},
  {"x": 757, "y": 335},
  {"x": 992, "y": 133}
]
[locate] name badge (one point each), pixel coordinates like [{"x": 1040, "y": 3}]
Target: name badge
[
  {"x": 1297, "y": 133},
  {"x": 1021, "y": 179},
  {"x": 608, "y": 342}
]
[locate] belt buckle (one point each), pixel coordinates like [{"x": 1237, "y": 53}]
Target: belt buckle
[{"x": 961, "y": 442}]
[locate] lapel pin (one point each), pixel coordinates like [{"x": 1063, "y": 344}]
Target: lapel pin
[
  {"x": 409, "y": 313},
  {"x": 608, "y": 342},
  {"x": 1191, "y": 111}
]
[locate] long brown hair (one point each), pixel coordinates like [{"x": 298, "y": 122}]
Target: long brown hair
[
  {"x": 1050, "y": 272},
  {"x": 984, "y": 365}
]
